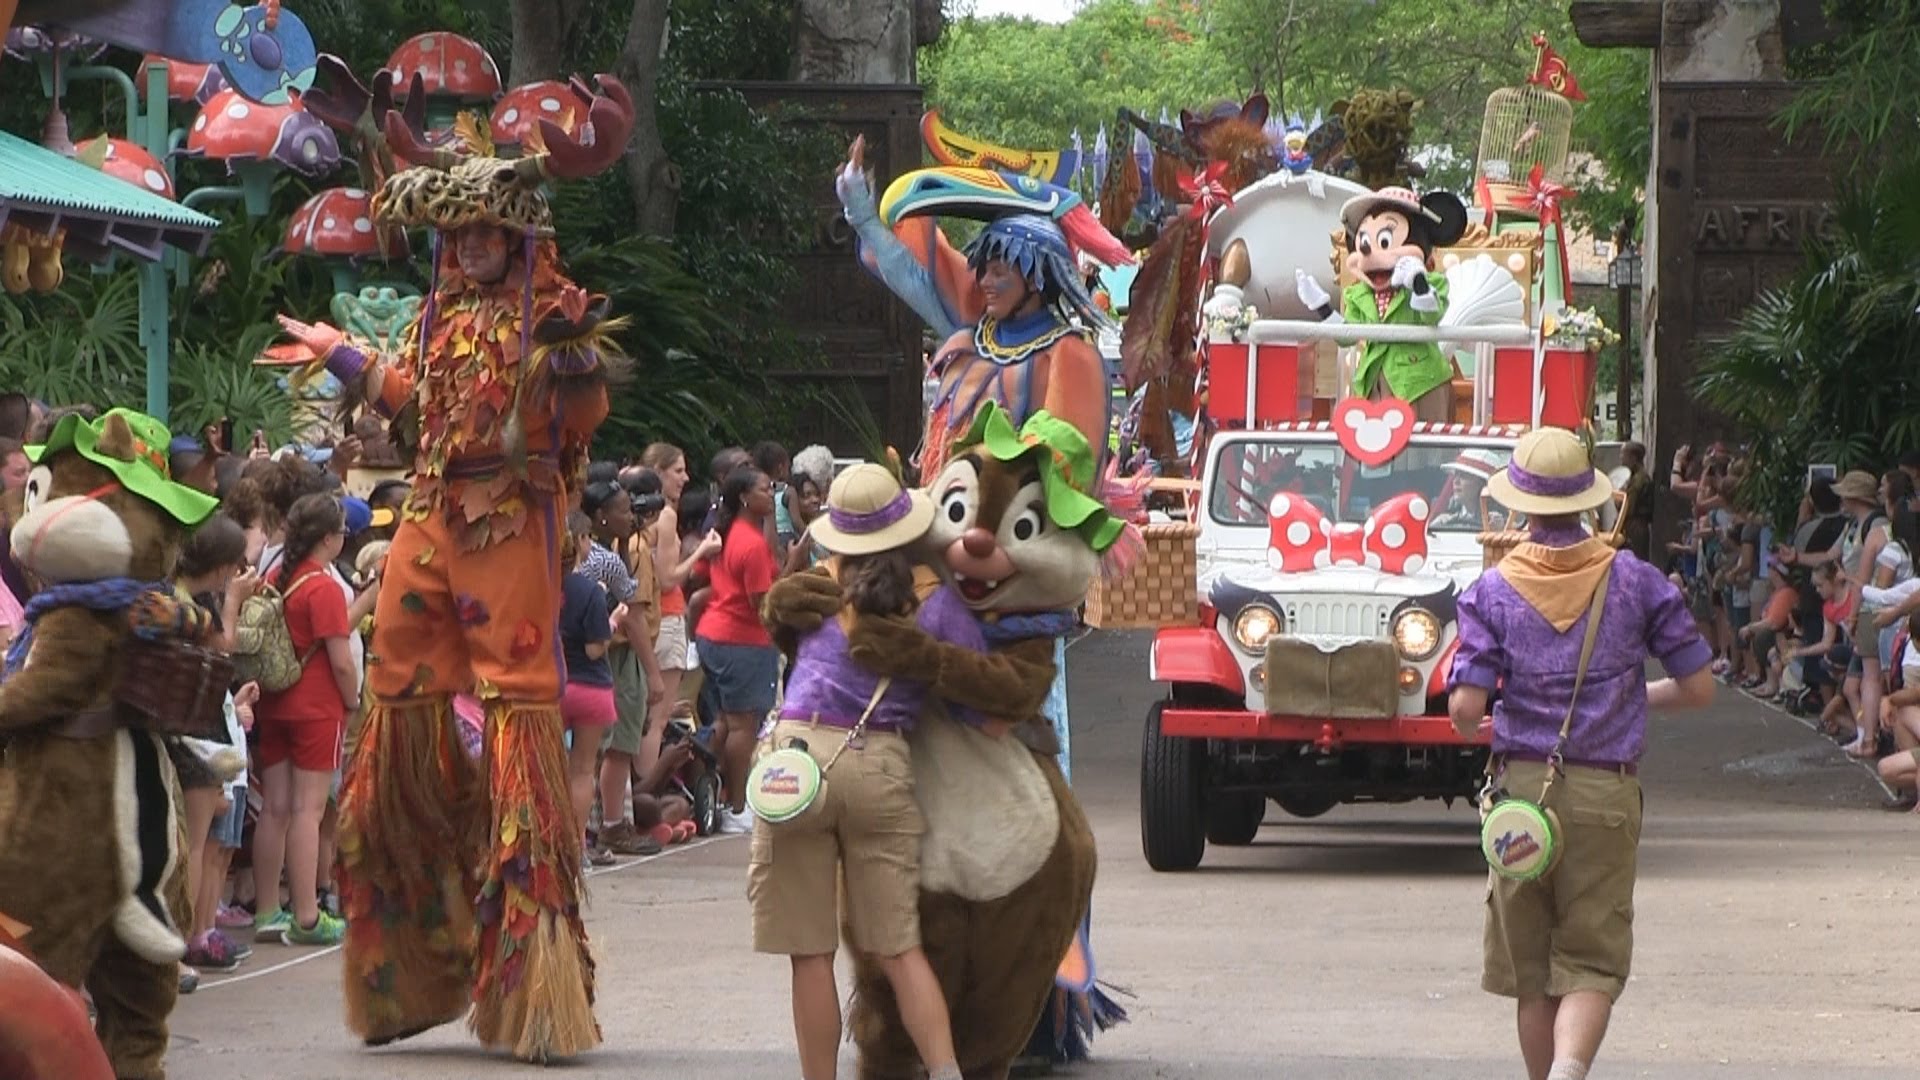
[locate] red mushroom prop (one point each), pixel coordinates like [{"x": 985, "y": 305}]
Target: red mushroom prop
[
  {"x": 524, "y": 107},
  {"x": 185, "y": 81},
  {"x": 449, "y": 66},
  {"x": 130, "y": 161},
  {"x": 338, "y": 223}
]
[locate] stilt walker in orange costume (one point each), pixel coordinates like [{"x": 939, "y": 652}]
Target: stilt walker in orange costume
[{"x": 461, "y": 880}]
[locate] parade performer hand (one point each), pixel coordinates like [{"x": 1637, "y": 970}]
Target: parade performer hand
[
  {"x": 1309, "y": 291},
  {"x": 852, "y": 185},
  {"x": 1406, "y": 272},
  {"x": 319, "y": 338}
]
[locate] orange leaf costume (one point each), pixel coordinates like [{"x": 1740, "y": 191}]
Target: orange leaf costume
[{"x": 461, "y": 879}]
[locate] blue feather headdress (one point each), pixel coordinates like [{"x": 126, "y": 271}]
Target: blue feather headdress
[{"x": 1035, "y": 246}]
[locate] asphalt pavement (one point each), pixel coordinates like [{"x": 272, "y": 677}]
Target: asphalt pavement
[{"x": 1774, "y": 918}]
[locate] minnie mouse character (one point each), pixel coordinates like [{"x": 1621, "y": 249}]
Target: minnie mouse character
[{"x": 1391, "y": 235}]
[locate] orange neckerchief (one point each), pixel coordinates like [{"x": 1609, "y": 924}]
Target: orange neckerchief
[{"x": 1557, "y": 582}]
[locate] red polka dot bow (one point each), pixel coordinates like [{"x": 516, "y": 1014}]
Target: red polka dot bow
[{"x": 1393, "y": 540}]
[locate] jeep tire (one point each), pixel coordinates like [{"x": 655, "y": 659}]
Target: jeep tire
[
  {"x": 1172, "y": 818},
  {"x": 1234, "y": 817}
]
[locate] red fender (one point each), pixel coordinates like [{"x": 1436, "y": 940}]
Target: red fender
[
  {"x": 1195, "y": 654},
  {"x": 44, "y": 1030}
]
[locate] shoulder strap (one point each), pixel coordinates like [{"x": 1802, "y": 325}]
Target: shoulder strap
[
  {"x": 1594, "y": 612},
  {"x": 879, "y": 691}
]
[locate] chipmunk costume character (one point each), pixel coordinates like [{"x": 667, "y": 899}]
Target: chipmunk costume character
[
  {"x": 461, "y": 888},
  {"x": 1007, "y": 862},
  {"x": 92, "y": 850}
]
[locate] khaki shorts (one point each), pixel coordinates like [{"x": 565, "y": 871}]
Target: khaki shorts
[
  {"x": 629, "y": 701},
  {"x": 1571, "y": 929},
  {"x": 866, "y": 824},
  {"x": 670, "y": 648}
]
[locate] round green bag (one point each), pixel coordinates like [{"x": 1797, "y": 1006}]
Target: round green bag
[
  {"x": 783, "y": 784},
  {"x": 1519, "y": 839}
]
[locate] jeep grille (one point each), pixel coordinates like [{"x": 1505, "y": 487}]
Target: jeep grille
[{"x": 1309, "y": 616}]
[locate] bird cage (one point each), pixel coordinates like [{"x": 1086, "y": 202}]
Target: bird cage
[{"x": 1525, "y": 126}]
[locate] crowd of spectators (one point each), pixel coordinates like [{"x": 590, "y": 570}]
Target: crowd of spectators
[{"x": 1817, "y": 621}]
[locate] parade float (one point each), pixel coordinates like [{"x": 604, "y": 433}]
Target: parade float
[{"x": 1303, "y": 589}]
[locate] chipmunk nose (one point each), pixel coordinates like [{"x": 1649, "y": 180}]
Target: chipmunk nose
[{"x": 978, "y": 543}]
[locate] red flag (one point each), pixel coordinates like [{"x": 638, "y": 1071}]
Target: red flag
[{"x": 1552, "y": 73}]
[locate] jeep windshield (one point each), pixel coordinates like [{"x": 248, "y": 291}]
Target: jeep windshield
[{"x": 1451, "y": 475}]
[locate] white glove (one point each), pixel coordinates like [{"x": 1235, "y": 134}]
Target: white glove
[
  {"x": 1317, "y": 184},
  {"x": 1309, "y": 291},
  {"x": 1406, "y": 272},
  {"x": 855, "y": 189}
]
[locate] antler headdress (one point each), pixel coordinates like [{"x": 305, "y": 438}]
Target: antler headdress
[{"x": 451, "y": 186}]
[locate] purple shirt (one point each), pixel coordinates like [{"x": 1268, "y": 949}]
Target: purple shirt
[
  {"x": 1504, "y": 641},
  {"x": 828, "y": 683}
]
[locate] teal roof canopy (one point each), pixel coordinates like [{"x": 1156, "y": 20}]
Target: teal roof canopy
[{"x": 102, "y": 214}]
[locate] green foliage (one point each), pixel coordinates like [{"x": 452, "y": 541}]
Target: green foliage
[
  {"x": 1027, "y": 84},
  {"x": 1827, "y": 368},
  {"x": 1864, "y": 86}
]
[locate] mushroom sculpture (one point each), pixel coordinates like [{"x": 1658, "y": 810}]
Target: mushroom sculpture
[
  {"x": 186, "y": 81},
  {"x": 453, "y": 71},
  {"x": 253, "y": 139},
  {"x": 523, "y": 107},
  {"x": 129, "y": 161},
  {"x": 337, "y": 225}
]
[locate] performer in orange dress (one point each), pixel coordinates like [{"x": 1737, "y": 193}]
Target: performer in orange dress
[{"x": 461, "y": 888}]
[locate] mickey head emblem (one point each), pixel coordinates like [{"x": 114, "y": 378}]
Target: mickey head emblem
[{"x": 1373, "y": 432}]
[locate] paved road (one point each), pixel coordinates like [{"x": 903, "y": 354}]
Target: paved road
[{"x": 1776, "y": 912}]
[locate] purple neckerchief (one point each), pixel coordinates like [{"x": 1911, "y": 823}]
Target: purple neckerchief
[{"x": 1011, "y": 628}]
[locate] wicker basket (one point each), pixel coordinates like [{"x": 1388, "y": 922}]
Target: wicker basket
[
  {"x": 175, "y": 688},
  {"x": 1162, "y": 588},
  {"x": 1495, "y": 545}
]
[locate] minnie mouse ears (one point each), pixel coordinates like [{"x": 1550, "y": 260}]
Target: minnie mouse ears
[{"x": 1444, "y": 213}]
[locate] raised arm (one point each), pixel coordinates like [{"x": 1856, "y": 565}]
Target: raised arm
[{"x": 914, "y": 259}]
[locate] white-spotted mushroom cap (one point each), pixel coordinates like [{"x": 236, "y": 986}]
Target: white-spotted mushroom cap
[
  {"x": 515, "y": 114},
  {"x": 449, "y": 66},
  {"x": 338, "y": 223},
  {"x": 130, "y": 161}
]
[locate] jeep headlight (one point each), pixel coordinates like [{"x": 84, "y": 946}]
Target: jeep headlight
[
  {"x": 1254, "y": 625},
  {"x": 1416, "y": 633}
]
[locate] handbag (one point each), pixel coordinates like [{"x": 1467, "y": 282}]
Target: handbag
[
  {"x": 787, "y": 780},
  {"x": 1521, "y": 839}
]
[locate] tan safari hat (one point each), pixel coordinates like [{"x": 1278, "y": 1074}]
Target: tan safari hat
[
  {"x": 1859, "y": 486},
  {"x": 1550, "y": 474},
  {"x": 868, "y": 511}
]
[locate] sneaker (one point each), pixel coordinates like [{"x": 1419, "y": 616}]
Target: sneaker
[
  {"x": 272, "y": 926},
  {"x": 326, "y": 930},
  {"x": 232, "y": 917},
  {"x": 212, "y": 951},
  {"x": 189, "y": 980},
  {"x": 330, "y": 901},
  {"x": 624, "y": 839},
  {"x": 599, "y": 856},
  {"x": 735, "y": 822}
]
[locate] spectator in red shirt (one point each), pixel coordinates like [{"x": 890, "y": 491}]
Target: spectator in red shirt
[
  {"x": 301, "y": 728},
  {"x": 738, "y": 656}
]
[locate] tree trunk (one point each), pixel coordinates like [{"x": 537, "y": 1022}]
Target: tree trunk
[
  {"x": 854, "y": 41},
  {"x": 541, "y": 29},
  {"x": 654, "y": 177}
]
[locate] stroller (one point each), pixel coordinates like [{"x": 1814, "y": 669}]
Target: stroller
[{"x": 698, "y": 781}]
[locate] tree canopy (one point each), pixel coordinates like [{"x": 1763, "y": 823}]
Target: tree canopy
[{"x": 1031, "y": 84}]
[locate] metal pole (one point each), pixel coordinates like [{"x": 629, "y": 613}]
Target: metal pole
[
  {"x": 149, "y": 128},
  {"x": 1623, "y": 387}
]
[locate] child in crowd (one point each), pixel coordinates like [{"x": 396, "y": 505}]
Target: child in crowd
[{"x": 586, "y": 706}]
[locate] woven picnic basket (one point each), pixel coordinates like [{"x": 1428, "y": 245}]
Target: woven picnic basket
[
  {"x": 1162, "y": 588},
  {"x": 174, "y": 688}
]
